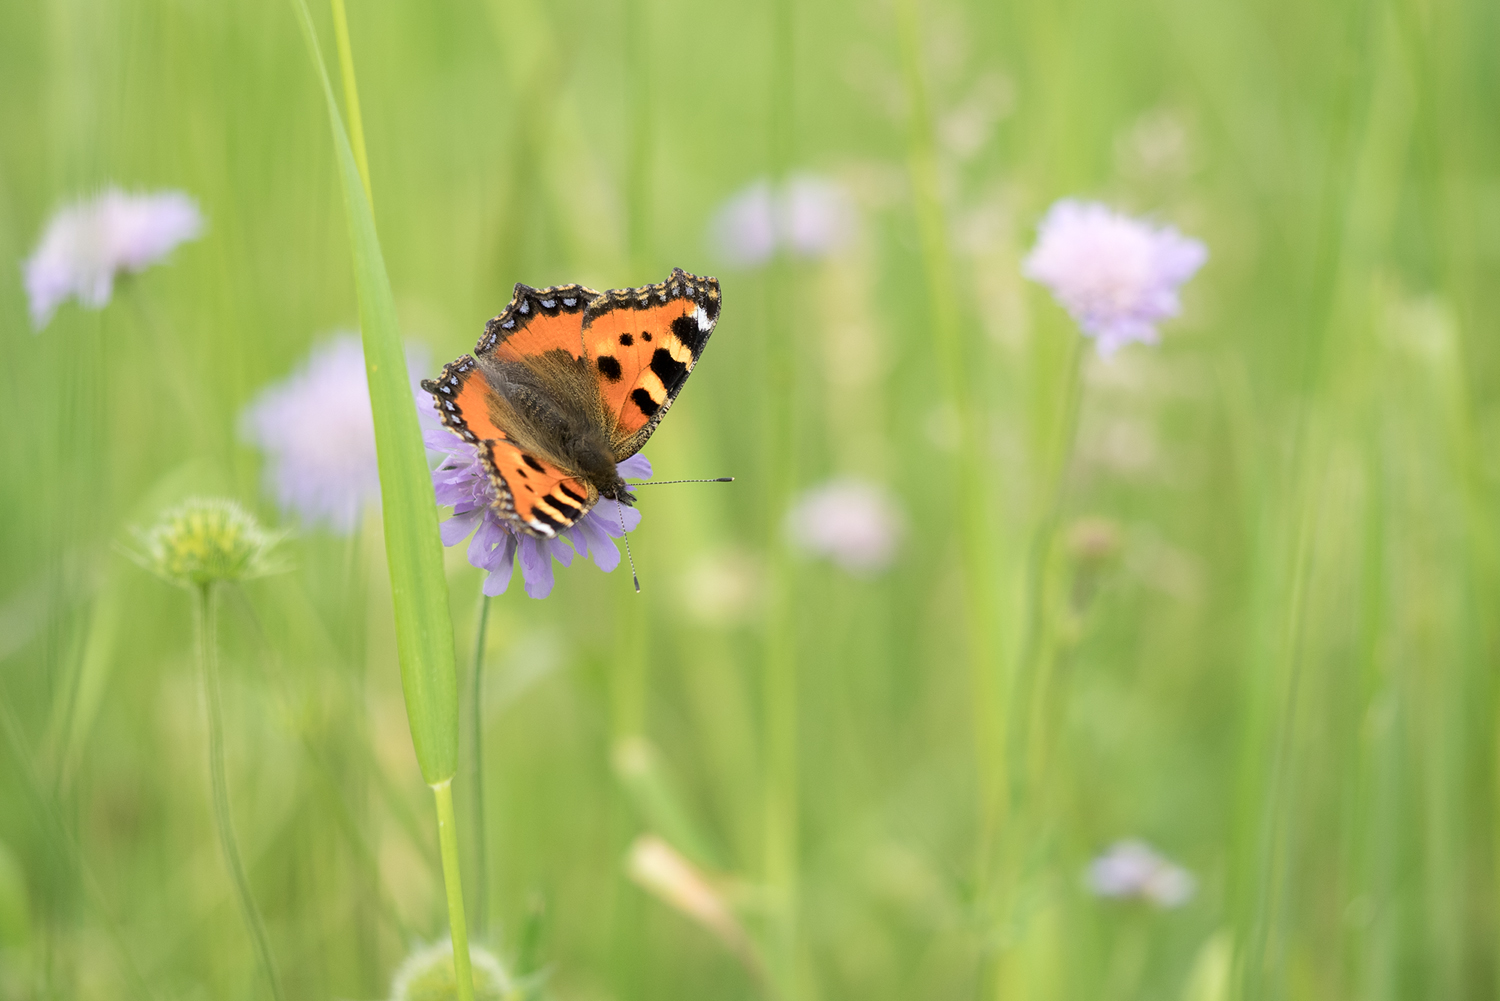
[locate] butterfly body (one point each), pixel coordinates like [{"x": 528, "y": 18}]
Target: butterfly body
[{"x": 568, "y": 382}]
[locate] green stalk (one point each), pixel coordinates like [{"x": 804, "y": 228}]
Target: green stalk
[
  {"x": 990, "y": 696},
  {"x": 205, "y": 626},
  {"x": 1039, "y": 648},
  {"x": 476, "y": 737},
  {"x": 351, "y": 95},
  {"x": 414, "y": 551},
  {"x": 780, "y": 668},
  {"x": 442, "y": 794}
]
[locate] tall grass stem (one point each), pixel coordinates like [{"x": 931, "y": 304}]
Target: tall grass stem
[
  {"x": 414, "y": 550},
  {"x": 989, "y": 688},
  {"x": 476, "y": 777},
  {"x": 780, "y": 668},
  {"x": 351, "y": 95},
  {"x": 205, "y": 628},
  {"x": 442, "y": 795}
]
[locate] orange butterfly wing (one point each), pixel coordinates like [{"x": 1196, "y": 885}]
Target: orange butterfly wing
[
  {"x": 644, "y": 342},
  {"x": 538, "y": 321},
  {"x": 530, "y": 491}
]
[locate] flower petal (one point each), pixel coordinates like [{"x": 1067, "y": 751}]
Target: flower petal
[
  {"x": 501, "y": 567},
  {"x": 606, "y": 556},
  {"x": 637, "y": 467},
  {"x": 458, "y": 527},
  {"x": 536, "y": 568}
]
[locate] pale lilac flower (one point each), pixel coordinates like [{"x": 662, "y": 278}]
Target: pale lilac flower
[
  {"x": 809, "y": 216},
  {"x": 88, "y": 243},
  {"x": 318, "y": 433},
  {"x": 1117, "y": 276},
  {"x": 1133, "y": 870},
  {"x": 461, "y": 482},
  {"x": 855, "y": 524}
]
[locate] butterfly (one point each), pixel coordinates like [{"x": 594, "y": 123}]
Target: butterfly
[{"x": 568, "y": 382}]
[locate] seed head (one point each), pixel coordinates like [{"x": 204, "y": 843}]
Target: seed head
[
  {"x": 427, "y": 975},
  {"x": 205, "y": 540}
]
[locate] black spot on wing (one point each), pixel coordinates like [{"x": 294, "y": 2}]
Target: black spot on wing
[
  {"x": 626, "y": 340},
  {"x": 540, "y": 514},
  {"x": 533, "y": 463},
  {"x": 686, "y": 329},
  {"x": 646, "y": 335},
  {"x": 609, "y": 365},
  {"x": 571, "y": 493},
  {"x": 669, "y": 370},
  {"x": 643, "y": 400}
]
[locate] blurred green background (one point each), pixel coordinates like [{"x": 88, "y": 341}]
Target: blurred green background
[{"x": 1274, "y": 662}]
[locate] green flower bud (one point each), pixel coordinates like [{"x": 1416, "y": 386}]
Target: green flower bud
[
  {"x": 427, "y": 975},
  {"x": 204, "y": 540}
]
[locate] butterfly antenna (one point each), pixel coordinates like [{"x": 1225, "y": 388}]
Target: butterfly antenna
[
  {"x": 664, "y": 483},
  {"x": 620, "y": 510}
]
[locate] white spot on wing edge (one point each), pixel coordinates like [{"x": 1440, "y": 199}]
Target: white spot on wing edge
[
  {"x": 542, "y": 527},
  {"x": 704, "y": 323}
]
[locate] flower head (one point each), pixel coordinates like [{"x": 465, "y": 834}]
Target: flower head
[
  {"x": 318, "y": 433},
  {"x": 206, "y": 540},
  {"x": 855, "y": 524},
  {"x": 1132, "y": 870},
  {"x": 461, "y": 482},
  {"x": 428, "y": 975},
  {"x": 809, "y": 216},
  {"x": 89, "y": 242},
  {"x": 1117, "y": 276}
]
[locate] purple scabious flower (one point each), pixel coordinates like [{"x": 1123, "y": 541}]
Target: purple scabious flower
[
  {"x": 318, "y": 433},
  {"x": 1133, "y": 870},
  {"x": 808, "y": 216},
  {"x": 855, "y": 524},
  {"x": 88, "y": 243},
  {"x": 461, "y": 482},
  {"x": 1117, "y": 276}
]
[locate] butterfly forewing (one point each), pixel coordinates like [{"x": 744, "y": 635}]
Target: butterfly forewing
[
  {"x": 643, "y": 343},
  {"x": 538, "y": 321}
]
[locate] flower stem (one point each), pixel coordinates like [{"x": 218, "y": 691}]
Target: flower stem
[
  {"x": 476, "y": 807},
  {"x": 1038, "y": 649},
  {"x": 990, "y": 690},
  {"x": 780, "y": 668},
  {"x": 442, "y": 795},
  {"x": 351, "y": 96},
  {"x": 205, "y": 628}
]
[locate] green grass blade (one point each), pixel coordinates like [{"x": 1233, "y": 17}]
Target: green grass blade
[{"x": 414, "y": 552}]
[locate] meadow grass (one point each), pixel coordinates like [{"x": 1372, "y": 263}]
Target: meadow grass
[{"x": 1276, "y": 668}]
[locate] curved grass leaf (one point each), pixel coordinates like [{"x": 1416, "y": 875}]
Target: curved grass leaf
[{"x": 419, "y": 589}]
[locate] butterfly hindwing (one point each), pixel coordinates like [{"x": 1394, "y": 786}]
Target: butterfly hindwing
[
  {"x": 542, "y": 498},
  {"x": 532, "y": 492},
  {"x": 643, "y": 342}
]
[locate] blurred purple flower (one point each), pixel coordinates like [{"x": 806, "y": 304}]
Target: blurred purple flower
[
  {"x": 462, "y": 483},
  {"x": 810, "y": 217},
  {"x": 1132, "y": 870},
  {"x": 1117, "y": 276},
  {"x": 855, "y": 524},
  {"x": 317, "y": 431},
  {"x": 89, "y": 242}
]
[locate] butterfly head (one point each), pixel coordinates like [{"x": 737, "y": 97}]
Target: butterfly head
[{"x": 619, "y": 491}]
